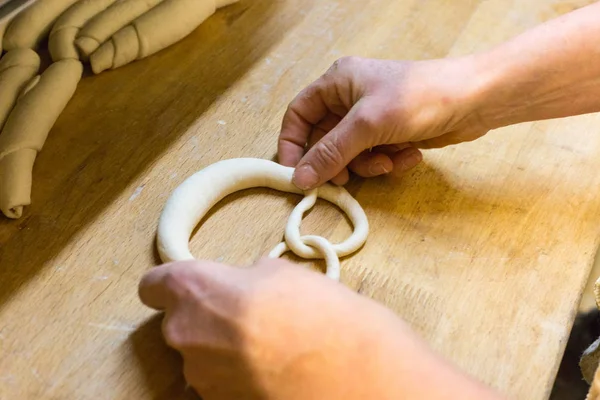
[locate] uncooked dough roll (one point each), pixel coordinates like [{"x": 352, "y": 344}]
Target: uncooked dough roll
[
  {"x": 5, "y": 20},
  {"x": 66, "y": 28},
  {"x": 26, "y": 131},
  {"x": 100, "y": 28},
  {"x": 165, "y": 24},
  {"x": 3, "y": 26},
  {"x": 17, "y": 68},
  {"x": 28, "y": 28}
]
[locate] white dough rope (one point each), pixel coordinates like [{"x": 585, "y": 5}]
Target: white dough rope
[
  {"x": 298, "y": 243},
  {"x": 190, "y": 202}
]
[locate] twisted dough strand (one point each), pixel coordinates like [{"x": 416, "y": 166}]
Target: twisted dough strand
[
  {"x": 17, "y": 68},
  {"x": 29, "y": 27},
  {"x": 101, "y": 27},
  {"x": 27, "y": 128},
  {"x": 62, "y": 36},
  {"x": 13, "y": 11},
  {"x": 293, "y": 240},
  {"x": 160, "y": 27}
]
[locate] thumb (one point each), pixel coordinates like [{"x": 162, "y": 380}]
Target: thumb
[
  {"x": 330, "y": 155},
  {"x": 165, "y": 285}
]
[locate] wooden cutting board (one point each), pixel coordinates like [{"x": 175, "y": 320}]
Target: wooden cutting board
[{"x": 484, "y": 249}]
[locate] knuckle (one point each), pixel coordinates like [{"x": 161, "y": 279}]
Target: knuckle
[
  {"x": 366, "y": 120},
  {"x": 173, "y": 280},
  {"x": 289, "y": 108},
  {"x": 191, "y": 375},
  {"x": 178, "y": 334},
  {"x": 172, "y": 334},
  {"x": 342, "y": 64},
  {"x": 347, "y": 62},
  {"x": 178, "y": 282},
  {"x": 389, "y": 114},
  {"x": 329, "y": 153}
]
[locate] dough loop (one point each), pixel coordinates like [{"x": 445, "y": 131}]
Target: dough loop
[{"x": 190, "y": 202}]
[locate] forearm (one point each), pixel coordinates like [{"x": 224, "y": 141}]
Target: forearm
[
  {"x": 405, "y": 367},
  {"x": 551, "y": 71}
]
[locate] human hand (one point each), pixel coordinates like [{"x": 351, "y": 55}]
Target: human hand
[
  {"x": 270, "y": 331},
  {"x": 372, "y": 117},
  {"x": 278, "y": 331}
]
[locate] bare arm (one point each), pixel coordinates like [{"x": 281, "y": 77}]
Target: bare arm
[
  {"x": 244, "y": 334},
  {"x": 550, "y": 71},
  {"x": 372, "y": 117}
]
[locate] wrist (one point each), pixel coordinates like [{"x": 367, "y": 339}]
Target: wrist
[
  {"x": 401, "y": 365},
  {"x": 498, "y": 96}
]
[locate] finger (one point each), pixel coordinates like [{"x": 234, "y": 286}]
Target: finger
[
  {"x": 371, "y": 163},
  {"x": 442, "y": 141},
  {"x": 330, "y": 155},
  {"x": 315, "y": 135},
  {"x": 152, "y": 290},
  {"x": 405, "y": 160},
  {"x": 391, "y": 149},
  {"x": 342, "y": 178},
  {"x": 320, "y": 130},
  {"x": 158, "y": 287},
  {"x": 306, "y": 110}
]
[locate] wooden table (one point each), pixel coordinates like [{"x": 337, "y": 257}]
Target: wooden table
[{"x": 484, "y": 248}]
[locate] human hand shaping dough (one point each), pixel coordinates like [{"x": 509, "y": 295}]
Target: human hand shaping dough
[
  {"x": 396, "y": 108},
  {"x": 279, "y": 331},
  {"x": 371, "y": 116}
]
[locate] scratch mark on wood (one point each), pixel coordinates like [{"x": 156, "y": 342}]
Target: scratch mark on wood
[
  {"x": 108, "y": 327},
  {"x": 137, "y": 192}
]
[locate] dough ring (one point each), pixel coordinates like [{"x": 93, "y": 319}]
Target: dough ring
[{"x": 190, "y": 202}]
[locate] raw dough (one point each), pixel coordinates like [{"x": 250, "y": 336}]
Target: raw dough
[
  {"x": 17, "y": 68},
  {"x": 27, "y": 128},
  {"x": 28, "y": 28},
  {"x": 190, "y": 202},
  {"x": 100, "y": 28},
  {"x": 66, "y": 28},
  {"x": 14, "y": 10},
  {"x": 298, "y": 243},
  {"x": 3, "y": 26},
  {"x": 160, "y": 27}
]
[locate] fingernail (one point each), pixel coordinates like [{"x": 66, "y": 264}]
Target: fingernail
[
  {"x": 305, "y": 177},
  {"x": 378, "y": 169},
  {"x": 411, "y": 161}
]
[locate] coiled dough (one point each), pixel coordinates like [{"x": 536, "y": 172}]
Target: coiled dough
[
  {"x": 165, "y": 24},
  {"x": 190, "y": 202},
  {"x": 29, "y": 27},
  {"x": 27, "y": 128},
  {"x": 101, "y": 27},
  {"x": 62, "y": 36},
  {"x": 17, "y": 68}
]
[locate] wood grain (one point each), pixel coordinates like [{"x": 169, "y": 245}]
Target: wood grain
[{"x": 484, "y": 249}]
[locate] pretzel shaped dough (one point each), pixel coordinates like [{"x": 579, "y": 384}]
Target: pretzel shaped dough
[
  {"x": 190, "y": 202},
  {"x": 27, "y": 128},
  {"x": 163, "y": 25}
]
